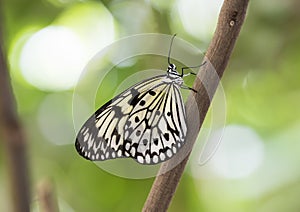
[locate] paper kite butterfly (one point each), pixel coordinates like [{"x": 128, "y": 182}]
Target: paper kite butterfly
[{"x": 146, "y": 122}]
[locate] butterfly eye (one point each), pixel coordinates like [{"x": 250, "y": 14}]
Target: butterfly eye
[{"x": 171, "y": 67}]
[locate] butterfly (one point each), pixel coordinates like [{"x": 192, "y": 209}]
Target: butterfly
[{"x": 146, "y": 122}]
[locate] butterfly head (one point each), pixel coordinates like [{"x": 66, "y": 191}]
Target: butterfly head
[{"x": 172, "y": 69}]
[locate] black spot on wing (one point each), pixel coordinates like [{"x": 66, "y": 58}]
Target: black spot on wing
[
  {"x": 135, "y": 97},
  {"x": 145, "y": 142},
  {"x": 155, "y": 141},
  {"x": 138, "y": 133},
  {"x": 152, "y": 93},
  {"x": 117, "y": 110},
  {"x": 166, "y": 135},
  {"x": 136, "y": 119},
  {"x": 142, "y": 103}
]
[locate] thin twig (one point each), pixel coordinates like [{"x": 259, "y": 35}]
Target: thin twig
[
  {"x": 230, "y": 21},
  {"x": 13, "y": 137},
  {"x": 47, "y": 197}
]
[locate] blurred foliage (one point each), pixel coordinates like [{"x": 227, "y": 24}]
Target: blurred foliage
[{"x": 262, "y": 92}]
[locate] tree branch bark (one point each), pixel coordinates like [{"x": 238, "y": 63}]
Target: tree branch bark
[
  {"x": 230, "y": 21},
  {"x": 13, "y": 137}
]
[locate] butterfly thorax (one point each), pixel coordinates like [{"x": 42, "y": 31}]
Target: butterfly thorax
[{"x": 173, "y": 76}]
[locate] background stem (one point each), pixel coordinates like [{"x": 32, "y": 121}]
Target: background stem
[{"x": 12, "y": 136}]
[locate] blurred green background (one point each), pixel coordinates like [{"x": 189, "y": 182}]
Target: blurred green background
[{"x": 255, "y": 168}]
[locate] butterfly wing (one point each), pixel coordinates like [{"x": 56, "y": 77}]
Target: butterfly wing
[
  {"x": 102, "y": 135},
  {"x": 146, "y": 122},
  {"x": 156, "y": 127}
]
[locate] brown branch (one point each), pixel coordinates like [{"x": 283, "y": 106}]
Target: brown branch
[
  {"x": 47, "y": 197},
  {"x": 230, "y": 21},
  {"x": 13, "y": 137}
]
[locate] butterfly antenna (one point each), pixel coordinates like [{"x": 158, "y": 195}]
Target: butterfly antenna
[{"x": 170, "y": 49}]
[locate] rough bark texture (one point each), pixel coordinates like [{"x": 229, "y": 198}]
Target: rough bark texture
[
  {"x": 12, "y": 137},
  {"x": 230, "y": 21}
]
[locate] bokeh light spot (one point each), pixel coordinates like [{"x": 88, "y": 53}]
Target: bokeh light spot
[
  {"x": 55, "y": 119},
  {"x": 240, "y": 153},
  {"x": 199, "y": 17},
  {"x": 53, "y": 58}
]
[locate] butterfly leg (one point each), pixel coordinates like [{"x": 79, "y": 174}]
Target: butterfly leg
[
  {"x": 190, "y": 73},
  {"x": 188, "y": 88}
]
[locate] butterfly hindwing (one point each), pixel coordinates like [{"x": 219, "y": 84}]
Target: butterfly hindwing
[{"x": 155, "y": 134}]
